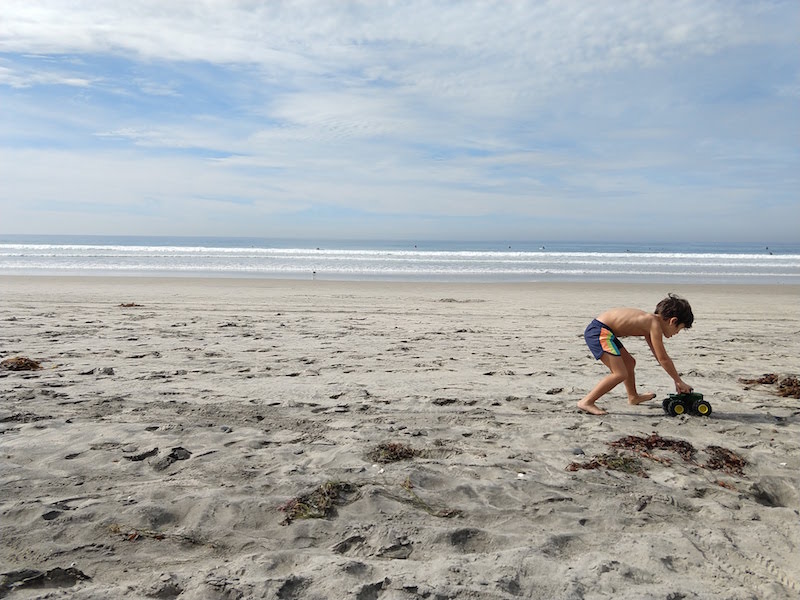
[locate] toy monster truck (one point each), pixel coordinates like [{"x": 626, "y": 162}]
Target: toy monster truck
[{"x": 691, "y": 403}]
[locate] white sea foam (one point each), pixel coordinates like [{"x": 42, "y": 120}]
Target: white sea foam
[{"x": 411, "y": 264}]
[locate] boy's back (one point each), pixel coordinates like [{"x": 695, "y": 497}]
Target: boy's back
[{"x": 629, "y": 321}]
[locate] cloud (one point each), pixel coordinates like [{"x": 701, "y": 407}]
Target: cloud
[
  {"x": 393, "y": 42},
  {"x": 16, "y": 78},
  {"x": 424, "y": 111}
]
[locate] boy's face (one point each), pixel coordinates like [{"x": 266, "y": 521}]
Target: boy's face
[{"x": 671, "y": 327}]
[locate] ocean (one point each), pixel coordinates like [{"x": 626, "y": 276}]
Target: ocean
[{"x": 400, "y": 260}]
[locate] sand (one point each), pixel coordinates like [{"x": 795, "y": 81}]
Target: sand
[{"x": 172, "y": 420}]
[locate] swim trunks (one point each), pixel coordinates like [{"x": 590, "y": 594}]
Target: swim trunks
[{"x": 600, "y": 338}]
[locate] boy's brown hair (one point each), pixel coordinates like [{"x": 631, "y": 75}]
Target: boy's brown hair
[{"x": 675, "y": 306}]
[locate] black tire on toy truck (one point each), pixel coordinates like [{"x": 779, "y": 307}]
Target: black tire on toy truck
[
  {"x": 701, "y": 407},
  {"x": 677, "y": 406}
]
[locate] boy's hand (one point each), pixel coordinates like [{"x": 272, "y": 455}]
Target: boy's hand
[{"x": 682, "y": 388}]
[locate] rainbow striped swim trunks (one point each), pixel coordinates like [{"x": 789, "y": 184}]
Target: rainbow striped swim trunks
[{"x": 600, "y": 338}]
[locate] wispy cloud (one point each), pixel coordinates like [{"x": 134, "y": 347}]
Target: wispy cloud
[{"x": 18, "y": 78}]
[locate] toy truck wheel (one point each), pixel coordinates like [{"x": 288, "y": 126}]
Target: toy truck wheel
[
  {"x": 702, "y": 408},
  {"x": 677, "y": 407},
  {"x": 665, "y": 404}
]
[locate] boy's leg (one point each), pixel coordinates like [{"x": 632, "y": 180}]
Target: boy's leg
[
  {"x": 634, "y": 397},
  {"x": 619, "y": 373}
]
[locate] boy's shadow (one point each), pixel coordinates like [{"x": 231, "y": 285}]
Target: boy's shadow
[
  {"x": 722, "y": 415},
  {"x": 753, "y": 418}
]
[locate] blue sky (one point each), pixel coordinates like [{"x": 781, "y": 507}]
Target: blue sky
[{"x": 563, "y": 120}]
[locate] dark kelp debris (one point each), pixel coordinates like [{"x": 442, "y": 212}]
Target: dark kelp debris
[
  {"x": 391, "y": 452},
  {"x": 320, "y": 503},
  {"x": 725, "y": 460},
  {"x": 644, "y": 446},
  {"x": 20, "y": 363},
  {"x": 766, "y": 379},
  {"x": 614, "y": 462},
  {"x": 788, "y": 387},
  {"x": 133, "y": 534},
  {"x": 721, "y": 459}
]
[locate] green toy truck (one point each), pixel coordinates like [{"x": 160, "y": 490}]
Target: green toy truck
[{"x": 682, "y": 404}]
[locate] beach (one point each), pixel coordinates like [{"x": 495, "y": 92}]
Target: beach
[{"x": 181, "y": 431}]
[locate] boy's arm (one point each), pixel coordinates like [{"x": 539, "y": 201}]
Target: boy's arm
[{"x": 656, "y": 342}]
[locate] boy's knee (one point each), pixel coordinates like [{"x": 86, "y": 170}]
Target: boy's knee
[{"x": 620, "y": 375}]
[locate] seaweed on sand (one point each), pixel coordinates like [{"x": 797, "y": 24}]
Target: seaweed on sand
[
  {"x": 20, "y": 363},
  {"x": 725, "y": 460},
  {"x": 134, "y": 534},
  {"x": 391, "y": 452},
  {"x": 320, "y": 502},
  {"x": 721, "y": 459},
  {"x": 614, "y": 462},
  {"x": 789, "y": 387},
  {"x": 644, "y": 446},
  {"x": 766, "y": 379}
]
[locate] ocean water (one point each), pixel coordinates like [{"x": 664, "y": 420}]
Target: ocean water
[{"x": 399, "y": 260}]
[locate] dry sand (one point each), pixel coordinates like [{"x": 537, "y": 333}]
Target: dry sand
[{"x": 149, "y": 457}]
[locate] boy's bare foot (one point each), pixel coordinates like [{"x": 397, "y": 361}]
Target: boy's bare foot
[
  {"x": 591, "y": 409},
  {"x": 641, "y": 398}
]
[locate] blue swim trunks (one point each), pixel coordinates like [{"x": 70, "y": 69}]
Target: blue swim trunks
[{"x": 600, "y": 338}]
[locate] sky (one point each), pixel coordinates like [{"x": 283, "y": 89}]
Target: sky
[{"x": 596, "y": 120}]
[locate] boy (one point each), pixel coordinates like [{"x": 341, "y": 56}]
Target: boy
[{"x": 672, "y": 315}]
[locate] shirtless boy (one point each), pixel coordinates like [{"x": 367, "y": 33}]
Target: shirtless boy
[{"x": 672, "y": 315}]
